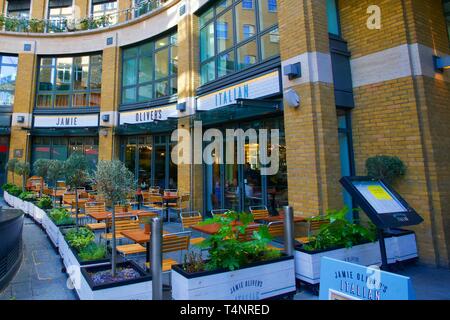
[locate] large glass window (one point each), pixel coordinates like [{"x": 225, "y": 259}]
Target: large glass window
[
  {"x": 236, "y": 35},
  {"x": 333, "y": 17},
  {"x": 8, "y": 73},
  {"x": 105, "y": 9},
  {"x": 150, "y": 70},
  {"x": 19, "y": 8},
  {"x": 66, "y": 82},
  {"x": 59, "y": 12}
]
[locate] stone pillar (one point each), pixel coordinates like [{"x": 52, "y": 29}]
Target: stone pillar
[
  {"x": 190, "y": 178},
  {"x": 81, "y": 8},
  {"x": 311, "y": 130},
  {"x": 20, "y": 142},
  {"x": 38, "y": 9},
  {"x": 108, "y": 142},
  {"x": 124, "y": 5},
  {"x": 401, "y": 106},
  {"x": 2, "y": 6}
]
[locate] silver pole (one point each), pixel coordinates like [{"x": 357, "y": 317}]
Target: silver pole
[
  {"x": 289, "y": 230},
  {"x": 156, "y": 259}
]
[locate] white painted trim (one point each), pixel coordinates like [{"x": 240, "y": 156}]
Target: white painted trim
[
  {"x": 395, "y": 63},
  {"x": 315, "y": 67}
]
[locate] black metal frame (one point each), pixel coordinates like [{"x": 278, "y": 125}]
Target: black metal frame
[{"x": 7, "y": 108}]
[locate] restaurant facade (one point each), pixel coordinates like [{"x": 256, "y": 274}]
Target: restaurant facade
[{"x": 339, "y": 81}]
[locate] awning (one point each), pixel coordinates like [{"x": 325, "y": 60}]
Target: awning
[
  {"x": 241, "y": 110},
  {"x": 148, "y": 127},
  {"x": 57, "y": 132}
]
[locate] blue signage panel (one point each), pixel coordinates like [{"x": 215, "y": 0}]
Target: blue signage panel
[{"x": 340, "y": 280}]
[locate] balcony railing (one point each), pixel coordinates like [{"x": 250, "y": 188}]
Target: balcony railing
[{"x": 64, "y": 24}]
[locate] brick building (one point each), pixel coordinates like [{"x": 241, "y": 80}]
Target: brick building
[{"x": 113, "y": 79}]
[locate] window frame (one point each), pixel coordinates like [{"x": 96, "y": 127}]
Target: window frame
[
  {"x": 71, "y": 92},
  {"x": 170, "y": 78},
  {"x": 2, "y": 64},
  {"x": 215, "y": 59}
]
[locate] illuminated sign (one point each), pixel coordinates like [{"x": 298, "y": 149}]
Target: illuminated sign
[
  {"x": 63, "y": 121},
  {"x": 148, "y": 115}
]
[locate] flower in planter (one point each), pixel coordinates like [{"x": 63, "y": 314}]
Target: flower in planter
[{"x": 104, "y": 277}]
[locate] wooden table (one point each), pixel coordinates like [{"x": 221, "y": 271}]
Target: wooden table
[
  {"x": 269, "y": 219},
  {"x": 166, "y": 200},
  {"x": 212, "y": 228},
  {"x": 139, "y": 236},
  {"x": 101, "y": 216}
]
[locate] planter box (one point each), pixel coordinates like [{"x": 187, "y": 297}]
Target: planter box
[
  {"x": 136, "y": 289},
  {"x": 7, "y": 198},
  {"x": 254, "y": 282},
  {"x": 51, "y": 228},
  {"x": 307, "y": 264},
  {"x": 39, "y": 214}
]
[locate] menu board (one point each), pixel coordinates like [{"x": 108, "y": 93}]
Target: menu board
[{"x": 379, "y": 197}]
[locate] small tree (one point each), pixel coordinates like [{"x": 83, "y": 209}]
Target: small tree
[
  {"x": 40, "y": 167},
  {"x": 385, "y": 167},
  {"x": 76, "y": 172},
  {"x": 115, "y": 182},
  {"x": 11, "y": 167},
  {"x": 23, "y": 170},
  {"x": 54, "y": 172}
]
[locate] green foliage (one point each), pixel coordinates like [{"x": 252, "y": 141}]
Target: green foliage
[
  {"x": 27, "y": 196},
  {"x": 45, "y": 203},
  {"x": 55, "y": 170},
  {"x": 15, "y": 191},
  {"x": 385, "y": 167},
  {"x": 114, "y": 180},
  {"x": 76, "y": 170},
  {"x": 40, "y": 167},
  {"x": 340, "y": 233},
  {"x": 79, "y": 238},
  {"x": 7, "y": 186},
  {"x": 193, "y": 262},
  {"x": 227, "y": 251},
  {"x": 11, "y": 164},
  {"x": 92, "y": 251},
  {"x": 36, "y": 25},
  {"x": 22, "y": 168},
  {"x": 61, "y": 216}
]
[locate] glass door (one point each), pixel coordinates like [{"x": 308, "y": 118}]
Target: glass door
[
  {"x": 144, "y": 162},
  {"x": 160, "y": 163},
  {"x": 213, "y": 183}
]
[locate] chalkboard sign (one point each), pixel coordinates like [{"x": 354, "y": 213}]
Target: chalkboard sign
[{"x": 385, "y": 207}]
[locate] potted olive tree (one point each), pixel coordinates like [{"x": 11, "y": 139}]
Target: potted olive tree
[
  {"x": 123, "y": 280},
  {"x": 54, "y": 172},
  {"x": 23, "y": 170},
  {"x": 76, "y": 172},
  {"x": 40, "y": 168},
  {"x": 10, "y": 167}
]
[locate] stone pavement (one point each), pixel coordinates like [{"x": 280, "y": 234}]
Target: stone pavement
[{"x": 39, "y": 276}]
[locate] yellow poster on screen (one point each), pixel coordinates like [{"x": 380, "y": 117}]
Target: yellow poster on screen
[{"x": 379, "y": 193}]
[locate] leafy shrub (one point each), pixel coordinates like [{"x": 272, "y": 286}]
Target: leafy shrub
[
  {"x": 27, "y": 196},
  {"x": 228, "y": 251},
  {"x": 61, "y": 217},
  {"x": 45, "y": 203},
  {"x": 340, "y": 233},
  {"x": 7, "y": 186},
  {"x": 385, "y": 167},
  {"x": 92, "y": 251},
  {"x": 79, "y": 238},
  {"x": 15, "y": 191}
]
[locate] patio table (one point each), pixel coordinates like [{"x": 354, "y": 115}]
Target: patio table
[
  {"x": 280, "y": 217},
  {"x": 212, "y": 228}
]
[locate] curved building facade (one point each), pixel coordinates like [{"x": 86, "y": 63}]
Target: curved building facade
[{"x": 341, "y": 81}]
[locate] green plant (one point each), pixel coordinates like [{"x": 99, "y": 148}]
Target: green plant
[
  {"x": 385, "y": 167},
  {"x": 193, "y": 262},
  {"x": 23, "y": 170},
  {"x": 54, "y": 172},
  {"x": 2, "y": 21},
  {"x": 76, "y": 171},
  {"x": 115, "y": 182},
  {"x": 61, "y": 216},
  {"x": 7, "y": 186},
  {"x": 45, "y": 203},
  {"x": 228, "y": 251},
  {"x": 15, "y": 191},
  {"x": 11, "y": 24},
  {"x": 340, "y": 233},
  {"x": 36, "y": 25},
  {"x": 27, "y": 196},
  {"x": 10, "y": 166},
  {"x": 79, "y": 238},
  {"x": 40, "y": 167},
  {"x": 92, "y": 251}
]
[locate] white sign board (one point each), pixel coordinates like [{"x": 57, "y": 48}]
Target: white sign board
[
  {"x": 148, "y": 115},
  {"x": 262, "y": 86},
  {"x": 69, "y": 121}
]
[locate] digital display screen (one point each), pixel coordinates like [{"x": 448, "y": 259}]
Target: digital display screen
[{"x": 379, "y": 197}]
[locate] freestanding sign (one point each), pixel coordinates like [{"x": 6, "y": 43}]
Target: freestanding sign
[
  {"x": 340, "y": 280},
  {"x": 385, "y": 207}
]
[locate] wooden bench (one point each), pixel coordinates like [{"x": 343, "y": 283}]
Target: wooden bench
[
  {"x": 248, "y": 234},
  {"x": 94, "y": 207},
  {"x": 121, "y": 225},
  {"x": 173, "y": 242},
  {"x": 128, "y": 249},
  {"x": 189, "y": 219},
  {"x": 314, "y": 226}
]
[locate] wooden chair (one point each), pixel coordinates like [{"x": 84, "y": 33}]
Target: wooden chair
[
  {"x": 94, "y": 207},
  {"x": 276, "y": 229},
  {"x": 218, "y": 212},
  {"x": 153, "y": 202},
  {"x": 314, "y": 225},
  {"x": 259, "y": 212},
  {"x": 182, "y": 204},
  {"x": 189, "y": 219},
  {"x": 60, "y": 184},
  {"x": 154, "y": 190},
  {"x": 122, "y": 208},
  {"x": 121, "y": 225},
  {"x": 248, "y": 234},
  {"x": 174, "y": 242}
]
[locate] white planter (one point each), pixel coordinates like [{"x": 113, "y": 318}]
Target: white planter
[
  {"x": 18, "y": 203},
  {"x": 51, "y": 229},
  {"x": 7, "y": 198},
  {"x": 141, "y": 290},
  {"x": 307, "y": 265},
  {"x": 39, "y": 214},
  {"x": 262, "y": 281}
]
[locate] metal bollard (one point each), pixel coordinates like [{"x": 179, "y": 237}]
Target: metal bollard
[
  {"x": 289, "y": 230},
  {"x": 156, "y": 259}
]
